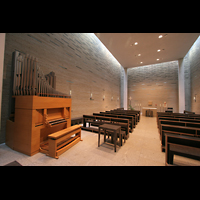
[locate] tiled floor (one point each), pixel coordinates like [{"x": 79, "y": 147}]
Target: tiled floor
[{"x": 141, "y": 149}]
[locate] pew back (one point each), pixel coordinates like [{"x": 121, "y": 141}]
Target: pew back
[
  {"x": 180, "y": 130},
  {"x": 99, "y": 120},
  {"x": 132, "y": 119},
  {"x": 181, "y": 145}
]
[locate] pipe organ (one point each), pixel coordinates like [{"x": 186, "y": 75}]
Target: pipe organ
[
  {"x": 30, "y": 80},
  {"x": 40, "y": 110}
]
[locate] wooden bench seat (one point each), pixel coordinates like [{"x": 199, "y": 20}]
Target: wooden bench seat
[
  {"x": 179, "y": 130},
  {"x": 99, "y": 120},
  {"x": 126, "y": 112},
  {"x": 177, "y": 119},
  {"x": 132, "y": 119},
  {"x": 178, "y": 123},
  {"x": 77, "y": 120},
  {"x": 177, "y": 115},
  {"x": 61, "y": 141},
  {"x": 134, "y": 115},
  {"x": 181, "y": 145}
]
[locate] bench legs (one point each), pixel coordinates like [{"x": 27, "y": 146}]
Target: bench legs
[
  {"x": 169, "y": 156},
  {"x": 52, "y": 148},
  {"x": 120, "y": 137}
]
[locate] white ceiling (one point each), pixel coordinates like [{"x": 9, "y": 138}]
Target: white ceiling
[{"x": 173, "y": 46}]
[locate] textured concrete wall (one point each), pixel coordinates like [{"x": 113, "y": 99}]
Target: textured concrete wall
[
  {"x": 192, "y": 71},
  {"x": 157, "y": 83},
  {"x": 187, "y": 83},
  {"x": 81, "y": 63},
  {"x": 181, "y": 86}
]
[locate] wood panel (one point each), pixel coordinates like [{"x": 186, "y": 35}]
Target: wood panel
[
  {"x": 39, "y": 116},
  {"x": 29, "y": 128},
  {"x": 54, "y": 113}
]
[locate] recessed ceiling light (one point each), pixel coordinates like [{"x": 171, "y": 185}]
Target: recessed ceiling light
[
  {"x": 158, "y": 50},
  {"x": 141, "y": 62},
  {"x": 139, "y": 54},
  {"x": 157, "y": 59},
  {"x": 136, "y": 43},
  {"x": 160, "y": 36}
]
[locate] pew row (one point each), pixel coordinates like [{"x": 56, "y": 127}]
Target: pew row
[
  {"x": 179, "y": 130},
  {"x": 177, "y": 119},
  {"x": 178, "y": 123},
  {"x": 126, "y": 112},
  {"x": 61, "y": 141},
  {"x": 177, "y": 115},
  {"x": 93, "y": 120},
  {"x": 76, "y": 120},
  {"x": 181, "y": 145},
  {"x": 132, "y": 119}
]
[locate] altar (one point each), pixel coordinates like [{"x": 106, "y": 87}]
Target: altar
[{"x": 149, "y": 108}]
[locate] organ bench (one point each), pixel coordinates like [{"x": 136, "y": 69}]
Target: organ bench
[{"x": 61, "y": 141}]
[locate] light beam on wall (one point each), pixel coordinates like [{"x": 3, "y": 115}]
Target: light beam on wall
[{"x": 107, "y": 52}]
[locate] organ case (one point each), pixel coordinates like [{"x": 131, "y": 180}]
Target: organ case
[{"x": 35, "y": 118}]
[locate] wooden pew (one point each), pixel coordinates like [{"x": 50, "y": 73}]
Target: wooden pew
[
  {"x": 181, "y": 145},
  {"x": 88, "y": 119},
  {"x": 61, "y": 141},
  {"x": 177, "y": 115},
  {"x": 129, "y": 112},
  {"x": 77, "y": 120},
  {"x": 135, "y": 115},
  {"x": 126, "y": 112},
  {"x": 163, "y": 114},
  {"x": 188, "y": 112},
  {"x": 177, "y": 119},
  {"x": 92, "y": 119},
  {"x": 181, "y": 130},
  {"x": 124, "y": 123},
  {"x": 178, "y": 123},
  {"x": 99, "y": 120},
  {"x": 132, "y": 120}
]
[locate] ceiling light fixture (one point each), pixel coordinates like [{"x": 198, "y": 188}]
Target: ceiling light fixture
[
  {"x": 160, "y": 36},
  {"x": 139, "y": 54},
  {"x": 157, "y": 59},
  {"x": 136, "y": 43},
  {"x": 141, "y": 62},
  {"x": 158, "y": 50}
]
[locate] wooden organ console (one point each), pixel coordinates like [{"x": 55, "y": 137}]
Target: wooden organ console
[{"x": 40, "y": 110}]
